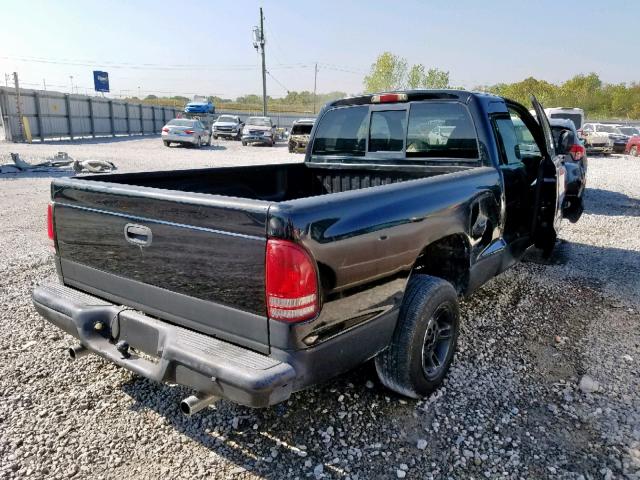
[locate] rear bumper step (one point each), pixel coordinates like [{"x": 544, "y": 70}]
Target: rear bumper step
[{"x": 178, "y": 355}]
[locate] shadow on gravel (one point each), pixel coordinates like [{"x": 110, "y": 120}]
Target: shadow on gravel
[
  {"x": 52, "y": 173},
  {"x": 249, "y": 437},
  {"x": 97, "y": 140},
  {"x": 608, "y": 203},
  {"x": 615, "y": 270},
  {"x": 206, "y": 147}
]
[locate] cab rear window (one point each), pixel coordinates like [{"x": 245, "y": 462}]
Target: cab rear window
[
  {"x": 342, "y": 131},
  {"x": 428, "y": 130}
]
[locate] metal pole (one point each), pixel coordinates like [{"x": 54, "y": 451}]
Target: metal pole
[
  {"x": 39, "y": 115},
  {"x": 264, "y": 69},
  {"x": 18, "y": 104},
  {"x": 67, "y": 99},
  {"x": 315, "y": 84}
]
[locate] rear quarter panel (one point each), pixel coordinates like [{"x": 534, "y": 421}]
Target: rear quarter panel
[{"x": 366, "y": 241}]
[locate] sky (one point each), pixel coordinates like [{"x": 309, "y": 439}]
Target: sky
[{"x": 190, "y": 47}]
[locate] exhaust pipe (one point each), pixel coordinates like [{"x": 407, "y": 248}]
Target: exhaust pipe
[
  {"x": 193, "y": 404},
  {"x": 77, "y": 351}
]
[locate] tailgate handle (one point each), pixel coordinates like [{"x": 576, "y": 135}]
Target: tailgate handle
[{"x": 138, "y": 234}]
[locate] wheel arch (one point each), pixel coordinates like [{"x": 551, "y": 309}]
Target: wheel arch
[{"x": 448, "y": 258}]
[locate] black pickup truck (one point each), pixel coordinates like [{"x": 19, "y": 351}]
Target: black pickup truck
[{"x": 251, "y": 283}]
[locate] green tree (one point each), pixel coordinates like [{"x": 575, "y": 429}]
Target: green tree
[
  {"x": 387, "y": 73},
  {"x": 390, "y": 72},
  {"x": 436, "y": 78},
  {"x": 416, "y": 76}
]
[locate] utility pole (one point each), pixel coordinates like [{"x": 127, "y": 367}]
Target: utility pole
[
  {"x": 315, "y": 84},
  {"x": 18, "y": 104},
  {"x": 258, "y": 43},
  {"x": 71, "y": 80}
]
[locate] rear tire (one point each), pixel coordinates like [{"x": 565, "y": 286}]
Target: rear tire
[
  {"x": 166, "y": 144},
  {"x": 424, "y": 341},
  {"x": 244, "y": 144}
]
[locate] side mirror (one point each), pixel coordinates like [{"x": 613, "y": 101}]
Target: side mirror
[
  {"x": 516, "y": 149},
  {"x": 564, "y": 142}
]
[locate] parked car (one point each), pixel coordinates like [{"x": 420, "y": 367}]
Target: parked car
[
  {"x": 633, "y": 146},
  {"x": 200, "y": 107},
  {"x": 228, "y": 126},
  {"x": 300, "y": 134},
  {"x": 259, "y": 130},
  {"x": 574, "y": 156},
  {"x": 290, "y": 274},
  {"x": 186, "y": 132},
  {"x": 618, "y": 138},
  {"x": 596, "y": 138},
  {"x": 629, "y": 130},
  {"x": 576, "y": 115}
]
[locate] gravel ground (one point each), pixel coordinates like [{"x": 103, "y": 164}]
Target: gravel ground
[{"x": 546, "y": 383}]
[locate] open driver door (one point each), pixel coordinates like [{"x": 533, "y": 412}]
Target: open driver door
[{"x": 549, "y": 189}]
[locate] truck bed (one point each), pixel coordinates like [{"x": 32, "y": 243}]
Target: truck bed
[
  {"x": 188, "y": 246},
  {"x": 275, "y": 183}
]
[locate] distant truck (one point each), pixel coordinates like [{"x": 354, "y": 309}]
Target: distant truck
[
  {"x": 300, "y": 135},
  {"x": 576, "y": 115}
]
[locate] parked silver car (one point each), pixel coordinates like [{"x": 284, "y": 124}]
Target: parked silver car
[
  {"x": 186, "y": 132},
  {"x": 259, "y": 130}
]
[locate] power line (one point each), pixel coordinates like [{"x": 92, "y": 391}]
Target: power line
[
  {"x": 145, "y": 66},
  {"x": 178, "y": 67},
  {"x": 277, "y": 81}
]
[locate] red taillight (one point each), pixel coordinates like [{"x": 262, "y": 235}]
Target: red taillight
[
  {"x": 189, "y": 132},
  {"x": 389, "y": 98},
  {"x": 165, "y": 129},
  {"x": 50, "y": 230},
  {"x": 291, "y": 282},
  {"x": 577, "y": 152}
]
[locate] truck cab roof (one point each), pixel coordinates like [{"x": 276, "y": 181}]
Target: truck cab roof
[{"x": 414, "y": 95}]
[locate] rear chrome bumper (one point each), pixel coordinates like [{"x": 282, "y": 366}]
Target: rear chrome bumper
[
  {"x": 180, "y": 138},
  {"x": 173, "y": 354}
]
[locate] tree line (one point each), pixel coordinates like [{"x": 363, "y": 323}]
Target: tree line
[
  {"x": 587, "y": 91},
  {"x": 390, "y": 72}
]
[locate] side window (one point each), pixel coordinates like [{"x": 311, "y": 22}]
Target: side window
[
  {"x": 526, "y": 142},
  {"x": 441, "y": 130},
  {"x": 508, "y": 138},
  {"x": 387, "y": 131},
  {"x": 587, "y": 128}
]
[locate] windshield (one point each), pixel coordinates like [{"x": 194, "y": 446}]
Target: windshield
[
  {"x": 629, "y": 131},
  {"x": 259, "y": 121},
  {"x": 574, "y": 117},
  {"x": 182, "y": 123},
  {"x": 607, "y": 129},
  {"x": 301, "y": 129},
  {"x": 227, "y": 118}
]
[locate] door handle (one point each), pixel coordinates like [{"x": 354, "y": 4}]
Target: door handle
[{"x": 138, "y": 234}]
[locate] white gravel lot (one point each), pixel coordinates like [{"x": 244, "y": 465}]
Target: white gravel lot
[{"x": 510, "y": 408}]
